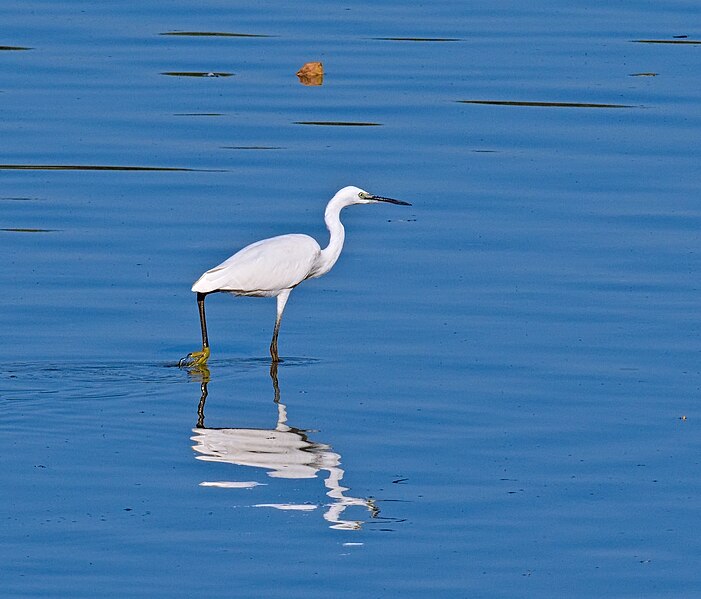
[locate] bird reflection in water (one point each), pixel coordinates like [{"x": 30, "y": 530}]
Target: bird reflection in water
[{"x": 284, "y": 451}]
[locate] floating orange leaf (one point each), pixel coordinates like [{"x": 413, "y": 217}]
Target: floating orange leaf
[{"x": 311, "y": 73}]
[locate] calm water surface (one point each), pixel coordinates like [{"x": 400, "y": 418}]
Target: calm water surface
[{"x": 495, "y": 392}]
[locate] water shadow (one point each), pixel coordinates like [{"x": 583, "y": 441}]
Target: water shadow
[
  {"x": 213, "y": 34},
  {"x": 27, "y": 230},
  {"x": 283, "y": 451},
  {"x": 197, "y": 74},
  {"x": 417, "y": 39},
  {"x": 672, "y": 41},
  {"x": 545, "y": 104},
  {"x": 98, "y": 167},
  {"x": 252, "y": 147},
  {"x": 339, "y": 123}
]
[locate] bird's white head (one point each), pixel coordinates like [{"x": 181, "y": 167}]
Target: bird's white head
[
  {"x": 344, "y": 197},
  {"x": 354, "y": 195}
]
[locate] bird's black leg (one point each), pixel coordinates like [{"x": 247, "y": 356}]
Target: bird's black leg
[
  {"x": 281, "y": 301},
  {"x": 198, "y": 359},
  {"x": 203, "y": 320}
]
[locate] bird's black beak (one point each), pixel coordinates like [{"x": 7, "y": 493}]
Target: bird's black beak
[{"x": 389, "y": 201}]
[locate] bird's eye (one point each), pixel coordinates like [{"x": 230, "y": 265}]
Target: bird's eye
[{"x": 363, "y": 196}]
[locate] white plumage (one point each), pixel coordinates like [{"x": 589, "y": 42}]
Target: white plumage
[
  {"x": 273, "y": 267},
  {"x": 264, "y": 268}
]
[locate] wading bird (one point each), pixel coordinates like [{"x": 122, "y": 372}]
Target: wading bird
[{"x": 274, "y": 267}]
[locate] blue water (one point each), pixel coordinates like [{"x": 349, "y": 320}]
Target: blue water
[{"x": 493, "y": 394}]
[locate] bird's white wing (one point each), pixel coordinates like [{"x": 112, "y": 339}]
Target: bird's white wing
[{"x": 263, "y": 268}]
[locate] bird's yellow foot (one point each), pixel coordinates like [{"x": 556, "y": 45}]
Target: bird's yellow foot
[{"x": 195, "y": 359}]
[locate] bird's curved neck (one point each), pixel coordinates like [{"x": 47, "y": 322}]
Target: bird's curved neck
[{"x": 337, "y": 235}]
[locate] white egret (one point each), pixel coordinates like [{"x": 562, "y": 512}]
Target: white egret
[{"x": 274, "y": 267}]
